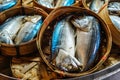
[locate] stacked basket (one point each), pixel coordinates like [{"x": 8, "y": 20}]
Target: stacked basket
[{"x": 40, "y": 43}]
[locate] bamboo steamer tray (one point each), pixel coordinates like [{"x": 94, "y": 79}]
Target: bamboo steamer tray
[
  {"x": 104, "y": 14},
  {"x": 55, "y": 15},
  {"x": 23, "y": 48},
  {"x": 85, "y": 4},
  {"x": 35, "y": 3}
]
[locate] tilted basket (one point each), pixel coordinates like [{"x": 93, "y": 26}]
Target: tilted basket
[
  {"x": 46, "y": 28},
  {"x": 23, "y": 48}
]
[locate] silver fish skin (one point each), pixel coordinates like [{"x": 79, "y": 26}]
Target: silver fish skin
[
  {"x": 27, "y": 31},
  {"x": 5, "y": 38},
  {"x": 47, "y": 3},
  {"x": 10, "y": 29},
  {"x": 96, "y": 5},
  {"x": 96, "y": 38},
  {"x": 116, "y": 21},
  {"x": 64, "y": 3},
  {"x": 84, "y": 35},
  {"x": 114, "y": 7},
  {"x": 6, "y": 4},
  {"x": 63, "y": 44}
]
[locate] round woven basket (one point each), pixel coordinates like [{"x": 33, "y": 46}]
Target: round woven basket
[
  {"x": 104, "y": 14},
  {"x": 55, "y": 15},
  {"x": 23, "y": 48},
  {"x": 35, "y": 3}
]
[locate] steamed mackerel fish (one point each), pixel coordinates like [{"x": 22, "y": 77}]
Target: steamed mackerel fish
[
  {"x": 96, "y": 5},
  {"x": 115, "y": 21},
  {"x": 87, "y": 39},
  {"x": 64, "y": 3},
  {"x": 47, "y": 3},
  {"x": 7, "y": 34},
  {"x": 55, "y": 3},
  {"x": 29, "y": 29},
  {"x": 6, "y": 4},
  {"x": 63, "y": 46},
  {"x": 114, "y": 8}
]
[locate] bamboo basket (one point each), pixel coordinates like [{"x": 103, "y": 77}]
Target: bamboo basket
[
  {"x": 104, "y": 14},
  {"x": 63, "y": 12},
  {"x": 35, "y": 3},
  {"x": 23, "y": 48},
  {"x": 85, "y": 4}
]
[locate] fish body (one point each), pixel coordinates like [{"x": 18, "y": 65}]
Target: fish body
[
  {"x": 114, "y": 7},
  {"x": 96, "y": 5},
  {"x": 47, "y": 3},
  {"x": 86, "y": 48},
  {"x": 60, "y": 38},
  {"x": 115, "y": 21},
  {"x": 64, "y": 3},
  {"x": 96, "y": 37},
  {"x": 63, "y": 45},
  {"x": 10, "y": 29},
  {"x": 29, "y": 29},
  {"x": 6, "y": 4}
]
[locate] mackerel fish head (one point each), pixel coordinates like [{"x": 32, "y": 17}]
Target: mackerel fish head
[{"x": 5, "y": 38}]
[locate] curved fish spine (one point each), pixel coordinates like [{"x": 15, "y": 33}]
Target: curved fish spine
[{"x": 95, "y": 46}]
